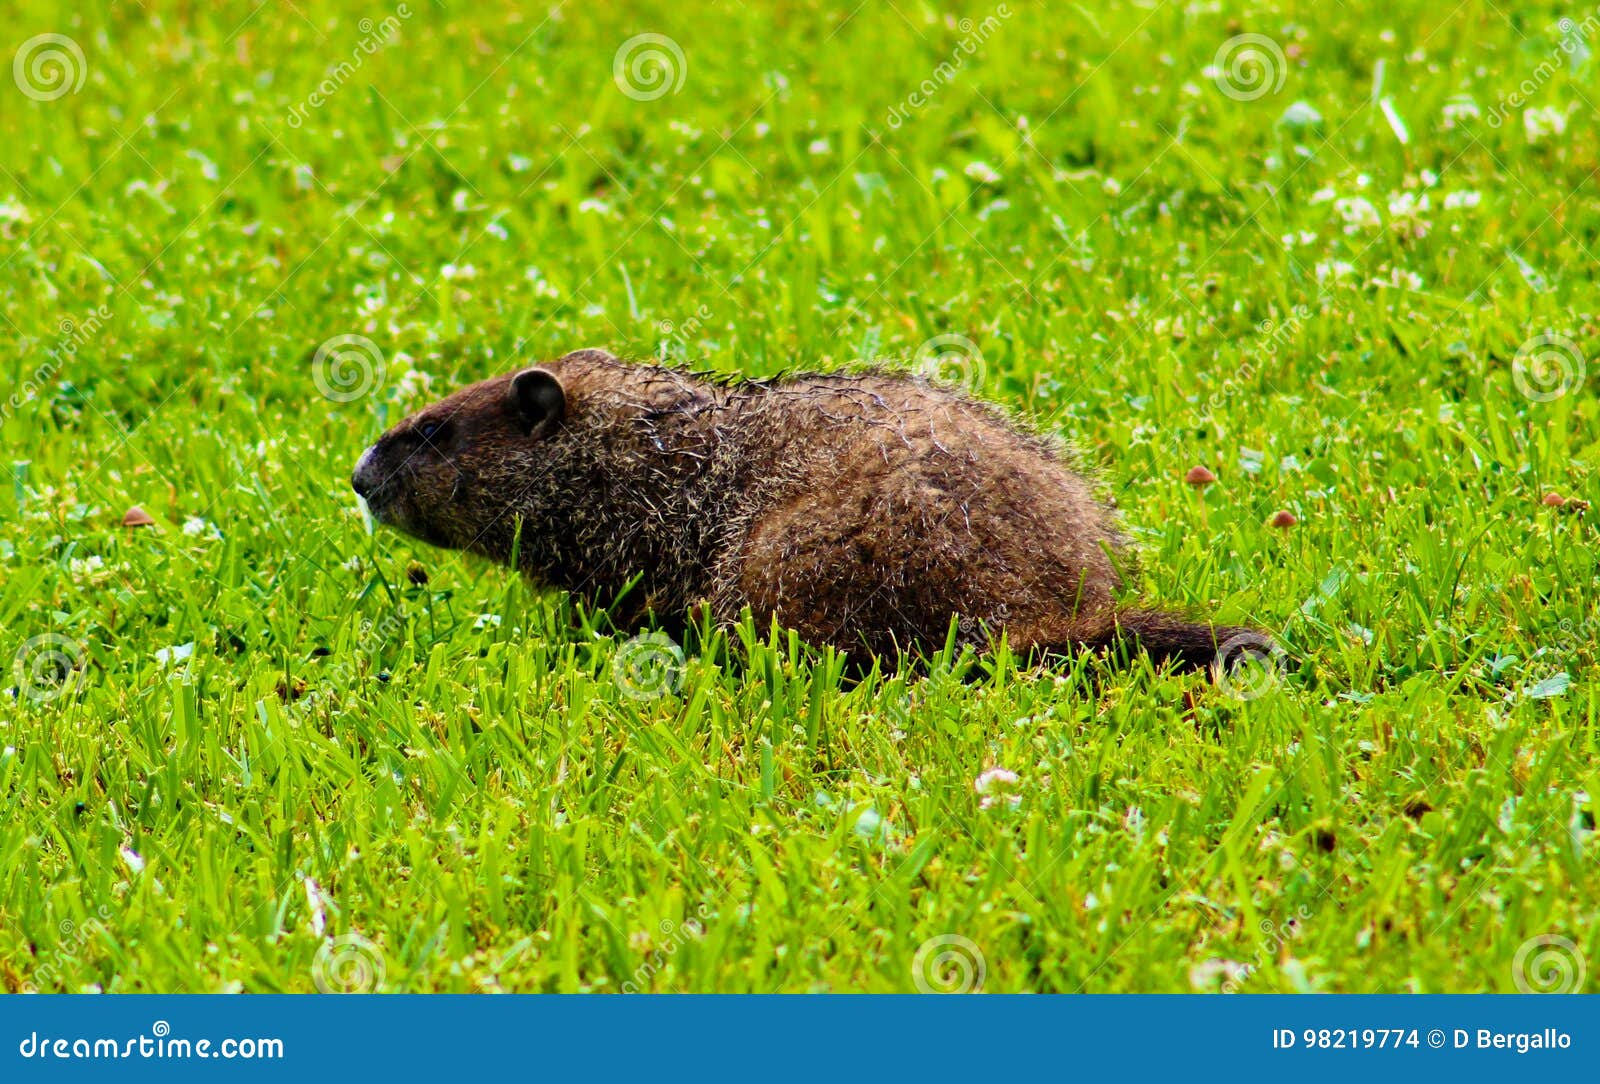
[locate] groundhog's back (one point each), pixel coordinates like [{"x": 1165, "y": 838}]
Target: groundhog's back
[{"x": 908, "y": 503}]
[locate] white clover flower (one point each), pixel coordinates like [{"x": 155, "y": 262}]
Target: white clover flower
[
  {"x": 1405, "y": 214},
  {"x": 541, "y": 285},
  {"x": 412, "y": 383},
  {"x": 1335, "y": 270},
  {"x": 1456, "y": 200},
  {"x": 990, "y": 777},
  {"x": 1358, "y": 213},
  {"x": 1457, "y": 110},
  {"x": 995, "y": 785},
  {"x": 167, "y": 656},
  {"x": 86, "y": 566},
  {"x": 982, "y": 172},
  {"x": 1538, "y": 124},
  {"x": 132, "y": 858},
  {"x": 1400, "y": 278}
]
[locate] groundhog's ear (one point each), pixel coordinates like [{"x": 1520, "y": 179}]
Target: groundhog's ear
[{"x": 538, "y": 397}]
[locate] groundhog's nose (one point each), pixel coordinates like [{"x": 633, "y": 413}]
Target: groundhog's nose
[{"x": 364, "y": 479}]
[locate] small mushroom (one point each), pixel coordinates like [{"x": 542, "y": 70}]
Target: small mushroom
[
  {"x": 1283, "y": 519},
  {"x": 137, "y": 517},
  {"x": 1199, "y": 478},
  {"x": 1565, "y": 504}
]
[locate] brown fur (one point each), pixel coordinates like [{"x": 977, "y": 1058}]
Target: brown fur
[{"x": 864, "y": 511}]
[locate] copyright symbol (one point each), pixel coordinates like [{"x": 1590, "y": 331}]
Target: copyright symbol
[{"x": 1436, "y": 1038}]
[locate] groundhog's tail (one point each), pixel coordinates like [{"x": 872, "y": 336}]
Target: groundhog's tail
[{"x": 1191, "y": 645}]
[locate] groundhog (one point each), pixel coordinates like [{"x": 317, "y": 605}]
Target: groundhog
[{"x": 864, "y": 510}]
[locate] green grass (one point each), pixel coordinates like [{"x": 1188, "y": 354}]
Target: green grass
[{"x": 349, "y": 749}]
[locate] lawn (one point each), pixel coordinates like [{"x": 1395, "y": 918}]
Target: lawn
[{"x": 1342, "y": 256}]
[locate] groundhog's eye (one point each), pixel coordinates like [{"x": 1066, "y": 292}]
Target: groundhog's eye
[{"x": 429, "y": 430}]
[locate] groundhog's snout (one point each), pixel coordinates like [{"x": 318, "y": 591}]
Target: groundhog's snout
[{"x": 364, "y": 479}]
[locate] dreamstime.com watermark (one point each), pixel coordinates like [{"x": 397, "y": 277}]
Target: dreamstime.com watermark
[
  {"x": 75, "y": 937},
  {"x": 374, "y": 635},
  {"x": 648, "y": 667},
  {"x": 1573, "y": 636},
  {"x": 676, "y": 337},
  {"x": 49, "y": 66},
  {"x": 1249, "y": 66},
  {"x": 1547, "y": 367},
  {"x": 75, "y": 335},
  {"x": 1573, "y": 36},
  {"x": 47, "y": 667},
  {"x": 951, "y": 359},
  {"x": 949, "y": 964},
  {"x": 649, "y": 66},
  {"x": 376, "y": 36},
  {"x": 347, "y": 367},
  {"x": 974, "y": 34},
  {"x": 1248, "y": 665},
  {"x": 159, "y": 1043},
  {"x": 361, "y": 659},
  {"x": 348, "y": 964},
  {"x": 1272, "y": 337},
  {"x": 674, "y": 936},
  {"x": 1548, "y": 964},
  {"x": 1274, "y": 938}
]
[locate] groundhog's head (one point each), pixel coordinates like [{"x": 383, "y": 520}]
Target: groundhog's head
[{"x": 448, "y": 473}]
